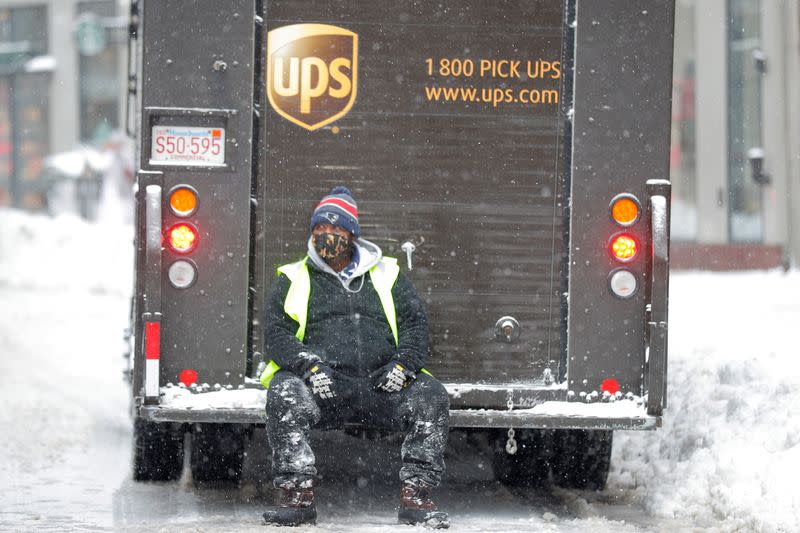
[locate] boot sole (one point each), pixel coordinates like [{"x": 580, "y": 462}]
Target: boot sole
[
  {"x": 420, "y": 517},
  {"x": 291, "y": 517}
]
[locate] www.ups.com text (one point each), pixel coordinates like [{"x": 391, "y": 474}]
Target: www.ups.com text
[{"x": 491, "y": 95}]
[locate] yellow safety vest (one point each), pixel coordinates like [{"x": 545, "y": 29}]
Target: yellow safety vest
[{"x": 383, "y": 276}]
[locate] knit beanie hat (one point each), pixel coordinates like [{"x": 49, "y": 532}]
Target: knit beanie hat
[{"x": 338, "y": 209}]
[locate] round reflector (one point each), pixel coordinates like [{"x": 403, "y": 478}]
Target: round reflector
[
  {"x": 610, "y": 386},
  {"x": 188, "y": 376},
  {"x": 182, "y": 238},
  {"x": 183, "y": 201},
  {"x": 624, "y": 247},
  {"x": 182, "y": 274},
  {"x": 623, "y": 283},
  {"x": 625, "y": 209}
]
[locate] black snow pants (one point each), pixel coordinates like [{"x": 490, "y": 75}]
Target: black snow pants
[{"x": 421, "y": 410}]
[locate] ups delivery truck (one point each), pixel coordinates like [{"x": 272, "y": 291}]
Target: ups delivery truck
[{"x": 512, "y": 155}]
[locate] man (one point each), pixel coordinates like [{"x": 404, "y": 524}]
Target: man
[{"x": 348, "y": 337}]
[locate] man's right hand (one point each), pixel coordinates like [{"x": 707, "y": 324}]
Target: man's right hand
[{"x": 326, "y": 384}]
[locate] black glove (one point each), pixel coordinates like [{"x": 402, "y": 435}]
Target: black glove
[
  {"x": 327, "y": 385},
  {"x": 392, "y": 377}
]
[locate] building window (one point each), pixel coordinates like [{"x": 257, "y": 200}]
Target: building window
[
  {"x": 745, "y": 118},
  {"x": 24, "y": 112},
  {"x": 23, "y": 31},
  {"x": 6, "y": 144},
  {"x": 683, "y": 158},
  {"x": 99, "y": 81}
]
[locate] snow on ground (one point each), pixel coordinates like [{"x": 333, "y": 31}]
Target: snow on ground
[
  {"x": 39, "y": 253},
  {"x": 729, "y": 452},
  {"x": 726, "y": 459},
  {"x": 64, "y": 289}
]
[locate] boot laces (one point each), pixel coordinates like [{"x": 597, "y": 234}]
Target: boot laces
[
  {"x": 296, "y": 496},
  {"x": 417, "y": 495}
]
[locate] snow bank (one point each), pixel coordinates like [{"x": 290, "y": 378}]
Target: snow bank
[
  {"x": 39, "y": 252},
  {"x": 75, "y": 163},
  {"x": 728, "y": 456}
]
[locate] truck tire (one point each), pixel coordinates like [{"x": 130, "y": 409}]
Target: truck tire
[
  {"x": 530, "y": 465},
  {"x": 157, "y": 451},
  {"x": 217, "y": 452},
  {"x": 582, "y": 458}
]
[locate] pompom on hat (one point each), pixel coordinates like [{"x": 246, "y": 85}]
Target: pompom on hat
[{"x": 338, "y": 209}]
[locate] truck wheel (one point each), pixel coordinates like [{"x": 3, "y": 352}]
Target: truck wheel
[
  {"x": 582, "y": 458},
  {"x": 157, "y": 451},
  {"x": 218, "y": 452},
  {"x": 530, "y": 465}
]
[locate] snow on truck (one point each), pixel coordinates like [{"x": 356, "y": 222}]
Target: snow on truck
[{"x": 512, "y": 155}]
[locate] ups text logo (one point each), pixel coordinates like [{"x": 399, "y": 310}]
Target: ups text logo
[{"x": 312, "y": 73}]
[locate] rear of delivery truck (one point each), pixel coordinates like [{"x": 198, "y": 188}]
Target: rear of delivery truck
[{"x": 512, "y": 155}]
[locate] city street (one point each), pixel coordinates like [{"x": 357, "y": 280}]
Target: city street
[{"x": 724, "y": 460}]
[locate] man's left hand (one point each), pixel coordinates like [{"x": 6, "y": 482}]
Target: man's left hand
[{"x": 392, "y": 377}]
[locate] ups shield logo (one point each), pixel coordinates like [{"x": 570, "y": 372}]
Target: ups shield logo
[{"x": 312, "y": 73}]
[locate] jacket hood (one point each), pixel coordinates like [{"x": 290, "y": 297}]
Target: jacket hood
[{"x": 368, "y": 254}]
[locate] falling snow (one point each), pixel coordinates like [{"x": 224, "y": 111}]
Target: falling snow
[{"x": 725, "y": 459}]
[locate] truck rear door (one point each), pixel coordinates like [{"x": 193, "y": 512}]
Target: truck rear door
[{"x": 456, "y": 143}]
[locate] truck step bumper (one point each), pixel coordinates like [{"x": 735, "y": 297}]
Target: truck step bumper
[{"x": 550, "y": 415}]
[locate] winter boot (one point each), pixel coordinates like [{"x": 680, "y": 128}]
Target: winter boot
[
  {"x": 295, "y": 506},
  {"x": 417, "y": 507}
]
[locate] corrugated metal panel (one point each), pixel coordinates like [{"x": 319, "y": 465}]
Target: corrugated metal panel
[{"x": 477, "y": 188}]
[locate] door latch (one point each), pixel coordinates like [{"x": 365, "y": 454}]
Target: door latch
[{"x": 408, "y": 247}]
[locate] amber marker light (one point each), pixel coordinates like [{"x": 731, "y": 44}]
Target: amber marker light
[
  {"x": 183, "y": 201},
  {"x": 625, "y": 209},
  {"x": 624, "y": 247},
  {"x": 182, "y": 238}
]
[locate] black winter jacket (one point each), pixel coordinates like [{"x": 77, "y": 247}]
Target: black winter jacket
[{"x": 347, "y": 330}]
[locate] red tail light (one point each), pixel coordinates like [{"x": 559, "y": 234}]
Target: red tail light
[
  {"x": 623, "y": 247},
  {"x": 182, "y": 238}
]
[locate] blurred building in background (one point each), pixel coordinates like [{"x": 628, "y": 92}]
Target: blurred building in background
[
  {"x": 62, "y": 72},
  {"x": 735, "y": 156},
  {"x": 736, "y": 134}
]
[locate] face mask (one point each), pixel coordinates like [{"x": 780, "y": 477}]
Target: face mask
[{"x": 330, "y": 246}]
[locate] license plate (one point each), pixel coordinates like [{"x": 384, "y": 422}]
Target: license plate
[{"x": 188, "y": 146}]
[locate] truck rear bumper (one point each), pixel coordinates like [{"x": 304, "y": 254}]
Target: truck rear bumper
[
  {"x": 472, "y": 406},
  {"x": 565, "y": 415}
]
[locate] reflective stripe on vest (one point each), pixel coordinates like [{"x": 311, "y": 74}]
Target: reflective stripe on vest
[{"x": 383, "y": 276}]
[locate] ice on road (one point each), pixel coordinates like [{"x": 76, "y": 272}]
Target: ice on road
[{"x": 726, "y": 459}]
